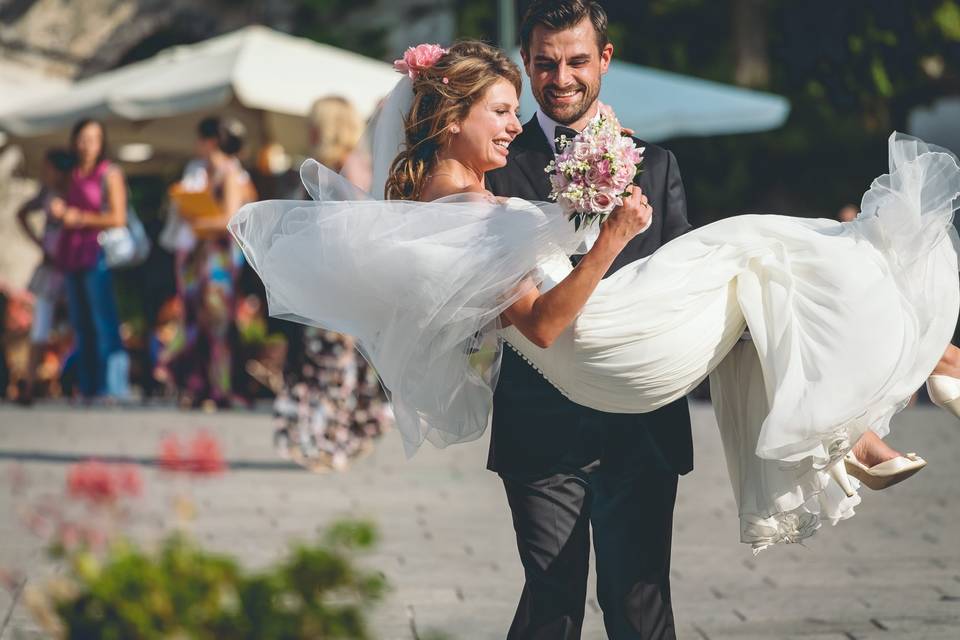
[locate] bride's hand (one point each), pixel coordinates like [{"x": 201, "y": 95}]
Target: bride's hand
[{"x": 630, "y": 218}]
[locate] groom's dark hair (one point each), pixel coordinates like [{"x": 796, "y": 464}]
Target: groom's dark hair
[{"x": 557, "y": 15}]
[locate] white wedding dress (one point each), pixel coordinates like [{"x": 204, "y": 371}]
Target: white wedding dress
[{"x": 845, "y": 320}]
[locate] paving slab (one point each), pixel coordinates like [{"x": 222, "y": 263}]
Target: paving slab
[{"x": 448, "y": 549}]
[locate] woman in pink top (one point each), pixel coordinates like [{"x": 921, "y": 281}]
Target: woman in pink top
[{"x": 96, "y": 200}]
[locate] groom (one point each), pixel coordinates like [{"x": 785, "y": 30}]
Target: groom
[{"x": 567, "y": 468}]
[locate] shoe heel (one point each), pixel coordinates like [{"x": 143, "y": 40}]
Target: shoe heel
[
  {"x": 944, "y": 391},
  {"x": 838, "y": 473}
]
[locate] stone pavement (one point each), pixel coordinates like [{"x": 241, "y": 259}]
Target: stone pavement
[{"x": 447, "y": 545}]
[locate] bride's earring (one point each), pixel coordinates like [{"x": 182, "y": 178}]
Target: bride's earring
[{"x": 454, "y": 129}]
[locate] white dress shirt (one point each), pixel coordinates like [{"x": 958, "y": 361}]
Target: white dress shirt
[{"x": 549, "y": 125}]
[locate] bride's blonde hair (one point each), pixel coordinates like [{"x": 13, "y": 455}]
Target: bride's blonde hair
[{"x": 443, "y": 95}]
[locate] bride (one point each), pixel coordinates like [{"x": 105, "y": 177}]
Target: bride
[{"x": 844, "y": 320}]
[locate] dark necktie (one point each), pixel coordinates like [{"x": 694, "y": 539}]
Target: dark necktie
[{"x": 563, "y": 131}]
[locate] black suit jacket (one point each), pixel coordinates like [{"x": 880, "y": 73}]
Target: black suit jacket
[{"x": 535, "y": 428}]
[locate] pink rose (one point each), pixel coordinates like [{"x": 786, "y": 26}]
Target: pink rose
[
  {"x": 602, "y": 203},
  {"x": 581, "y": 150},
  {"x": 415, "y": 59},
  {"x": 559, "y": 182},
  {"x": 606, "y": 172},
  {"x": 601, "y": 175}
]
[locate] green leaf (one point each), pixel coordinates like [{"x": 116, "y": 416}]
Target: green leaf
[
  {"x": 183, "y": 591},
  {"x": 947, "y": 17},
  {"x": 880, "y": 78},
  {"x": 352, "y": 533}
]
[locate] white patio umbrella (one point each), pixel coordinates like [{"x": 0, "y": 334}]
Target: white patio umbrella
[
  {"x": 660, "y": 104},
  {"x": 265, "y": 78},
  {"x": 20, "y": 85}
]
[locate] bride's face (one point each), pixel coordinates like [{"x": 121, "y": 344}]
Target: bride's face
[{"x": 490, "y": 126}]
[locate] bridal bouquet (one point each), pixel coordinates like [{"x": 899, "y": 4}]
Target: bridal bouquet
[{"x": 590, "y": 175}]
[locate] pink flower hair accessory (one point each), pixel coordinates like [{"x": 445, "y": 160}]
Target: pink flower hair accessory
[{"x": 416, "y": 59}]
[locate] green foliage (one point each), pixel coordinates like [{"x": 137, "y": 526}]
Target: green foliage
[
  {"x": 947, "y": 19},
  {"x": 323, "y": 21},
  {"x": 183, "y": 591},
  {"x": 852, "y": 71},
  {"x": 477, "y": 20},
  {"x": 875, "y": 60}
]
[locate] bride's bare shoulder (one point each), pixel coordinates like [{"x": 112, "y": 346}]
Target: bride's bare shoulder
[
  {"x": 448, "y": 178},
  {"x": 443, "y": 185}
]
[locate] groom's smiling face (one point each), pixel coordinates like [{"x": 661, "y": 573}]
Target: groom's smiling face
[{"x": 565, "y": 68}]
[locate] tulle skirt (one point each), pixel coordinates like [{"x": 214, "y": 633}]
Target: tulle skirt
[{"x": 845, "y": 320}]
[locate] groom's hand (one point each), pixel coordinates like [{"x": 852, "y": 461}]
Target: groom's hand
[{"x": 631, "y": 218}]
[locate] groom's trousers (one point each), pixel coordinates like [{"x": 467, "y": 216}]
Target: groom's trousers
[{"x": 630, "y": 509}]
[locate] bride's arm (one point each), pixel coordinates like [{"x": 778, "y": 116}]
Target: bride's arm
[{"x": 541, "y": 318}]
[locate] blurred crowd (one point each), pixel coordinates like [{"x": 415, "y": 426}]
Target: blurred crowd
[{"x": 207, "y": 342}]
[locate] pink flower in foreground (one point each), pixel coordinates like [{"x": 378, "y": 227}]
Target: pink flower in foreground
[
  {"x": 94, "y": 538},
  {"x": 102, "y": 483},
  {"x": 38, "y": 524},
  {"x": 201, "y": 455},
  {"x": 418, "y": 58},
  {"x": 92, "y": 481},
  {"x": 169, "y": 458},
  {"x": 17, "y": 477},
  {"x": 205, "y": 454},
  {"x": 70, "y": 535},
  {"x": 130, "y": 480},
  {"x": 11, "y": 579}
]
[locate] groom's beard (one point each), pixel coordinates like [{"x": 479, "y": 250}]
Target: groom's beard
[{"x": 567, "y": 112}]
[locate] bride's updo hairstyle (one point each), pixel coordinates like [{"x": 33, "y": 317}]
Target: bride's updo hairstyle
[{"x": 443, "y": 95}]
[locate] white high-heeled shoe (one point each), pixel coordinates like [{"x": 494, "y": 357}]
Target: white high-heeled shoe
[
  {"x": 838, "y": 473},
  {"x": 885, "y": 474},
  {"x": 944, "y": 391}
]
